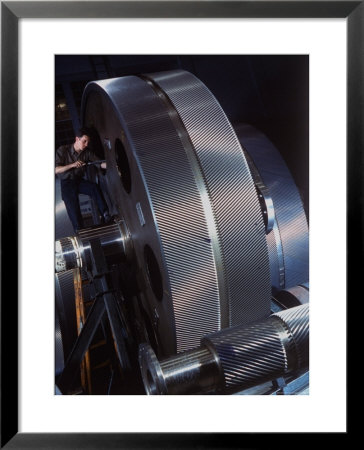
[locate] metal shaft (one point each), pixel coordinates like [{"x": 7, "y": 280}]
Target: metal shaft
[
  {"x": 233, "y": 359},
  {"x": 189, "y": 372},
  {"x": 74, "y": 251}
]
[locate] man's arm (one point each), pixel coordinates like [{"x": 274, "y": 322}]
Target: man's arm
[
  {"x": 61, "y": 161},
  {"x": 62, "y": 169}
]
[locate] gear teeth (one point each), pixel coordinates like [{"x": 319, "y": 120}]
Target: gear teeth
[
  {"x": 296, "y": 320},
  {"x": 291, "y": 234},
  {"x": 232, "y": 194},
  {"x": 248, "y": 354},
  {"x": 263, "y": 350},
  {"x": 201, "y": 210}
]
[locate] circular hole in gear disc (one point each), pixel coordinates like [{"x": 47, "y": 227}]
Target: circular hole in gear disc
[
  {"x": 123, "y": 164},
  {"x": 95, "y": 142},
  {"x": 154, "y": 274}
]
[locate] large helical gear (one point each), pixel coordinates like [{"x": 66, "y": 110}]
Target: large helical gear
[
  {"x": 180, "y": 179},
  {"x": 208, "y": 220}
]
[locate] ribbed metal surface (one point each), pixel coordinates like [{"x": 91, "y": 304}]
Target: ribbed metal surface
[
  {"x": 291, "y": 219},
  {"x": 231, "y": 192},
  {"x": 248, "y": 354},
  {"x": 274, "y": 242},
  {"x": 297, "y": 321},
  {"x": 276, "y": 258},
  {"x": 100, "y": 232},
  {"x": 183, "y": 232},
  {"x": 65, "y": 310},
  {"x": 202, "y": 221},
  {"x": 175, "y": 228},
  {"x": 69, "y": 253},
  {"x": 263, "y": 350}
]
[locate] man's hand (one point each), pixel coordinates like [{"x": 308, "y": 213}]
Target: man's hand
[{"x": 77, "y": 164}]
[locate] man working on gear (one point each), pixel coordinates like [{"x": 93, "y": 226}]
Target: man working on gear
[{"x": 70, "y": 167}]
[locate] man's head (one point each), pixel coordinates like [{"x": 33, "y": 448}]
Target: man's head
[{"x": 82, "y": 140}]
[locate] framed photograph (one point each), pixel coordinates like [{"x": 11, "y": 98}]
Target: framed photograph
[{"x": 36, "y": 39}]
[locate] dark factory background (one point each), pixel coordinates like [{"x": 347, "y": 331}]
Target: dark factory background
[{"x": 270, "y": 92}]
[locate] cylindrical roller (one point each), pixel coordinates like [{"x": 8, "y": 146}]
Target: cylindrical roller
[
  {"x": 262, "y": 351},
  {"x": 74, "y": 251},
  {"x": 67, "y": 254},
  {"x": 288, "y": 243},
  {"x": 249, "y": 356},
  {"x": 233, "y": 359},
  {"x": 178, "y": 176},
  {"x": 294, "y": 296},
  {"x": 187, "y": 373},
  {"x": 296, "y": 321}
]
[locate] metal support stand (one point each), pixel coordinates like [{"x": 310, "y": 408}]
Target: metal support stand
[{"x": 105, "y": 301}]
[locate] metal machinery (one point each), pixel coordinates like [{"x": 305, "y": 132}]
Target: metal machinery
[{"x": 201, "y": 284}]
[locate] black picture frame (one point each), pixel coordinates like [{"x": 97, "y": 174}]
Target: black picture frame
[{"x": 11, "y": 12}]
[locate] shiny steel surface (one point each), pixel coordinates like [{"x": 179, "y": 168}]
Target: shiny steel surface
[
  {"x": 263, "y": 350},
  {"x": 231, "y": 194},
  {"x": 265, "y": 199},
  {"x": 288, "y": 245},
  {"x": 249, "y": 354},
  {"x": 192, "y": 371},
  {"x": 233, "y": 359},
  {"x": 68, "y": 254},
  {"x": 112, "y": 240},
  {"x": 297, "y": 321},
  {"x": 179, "y": 178},
  {"x": 151, "y": 371},
  {"x": 294, "y": 296},
  {"x": 74, "y": 251}
]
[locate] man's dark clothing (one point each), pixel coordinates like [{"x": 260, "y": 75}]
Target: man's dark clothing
[
  {"x": 73, "y": 184},
  {"x": 66, "y": 154},
  {"x": 70, "y": 190}
]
